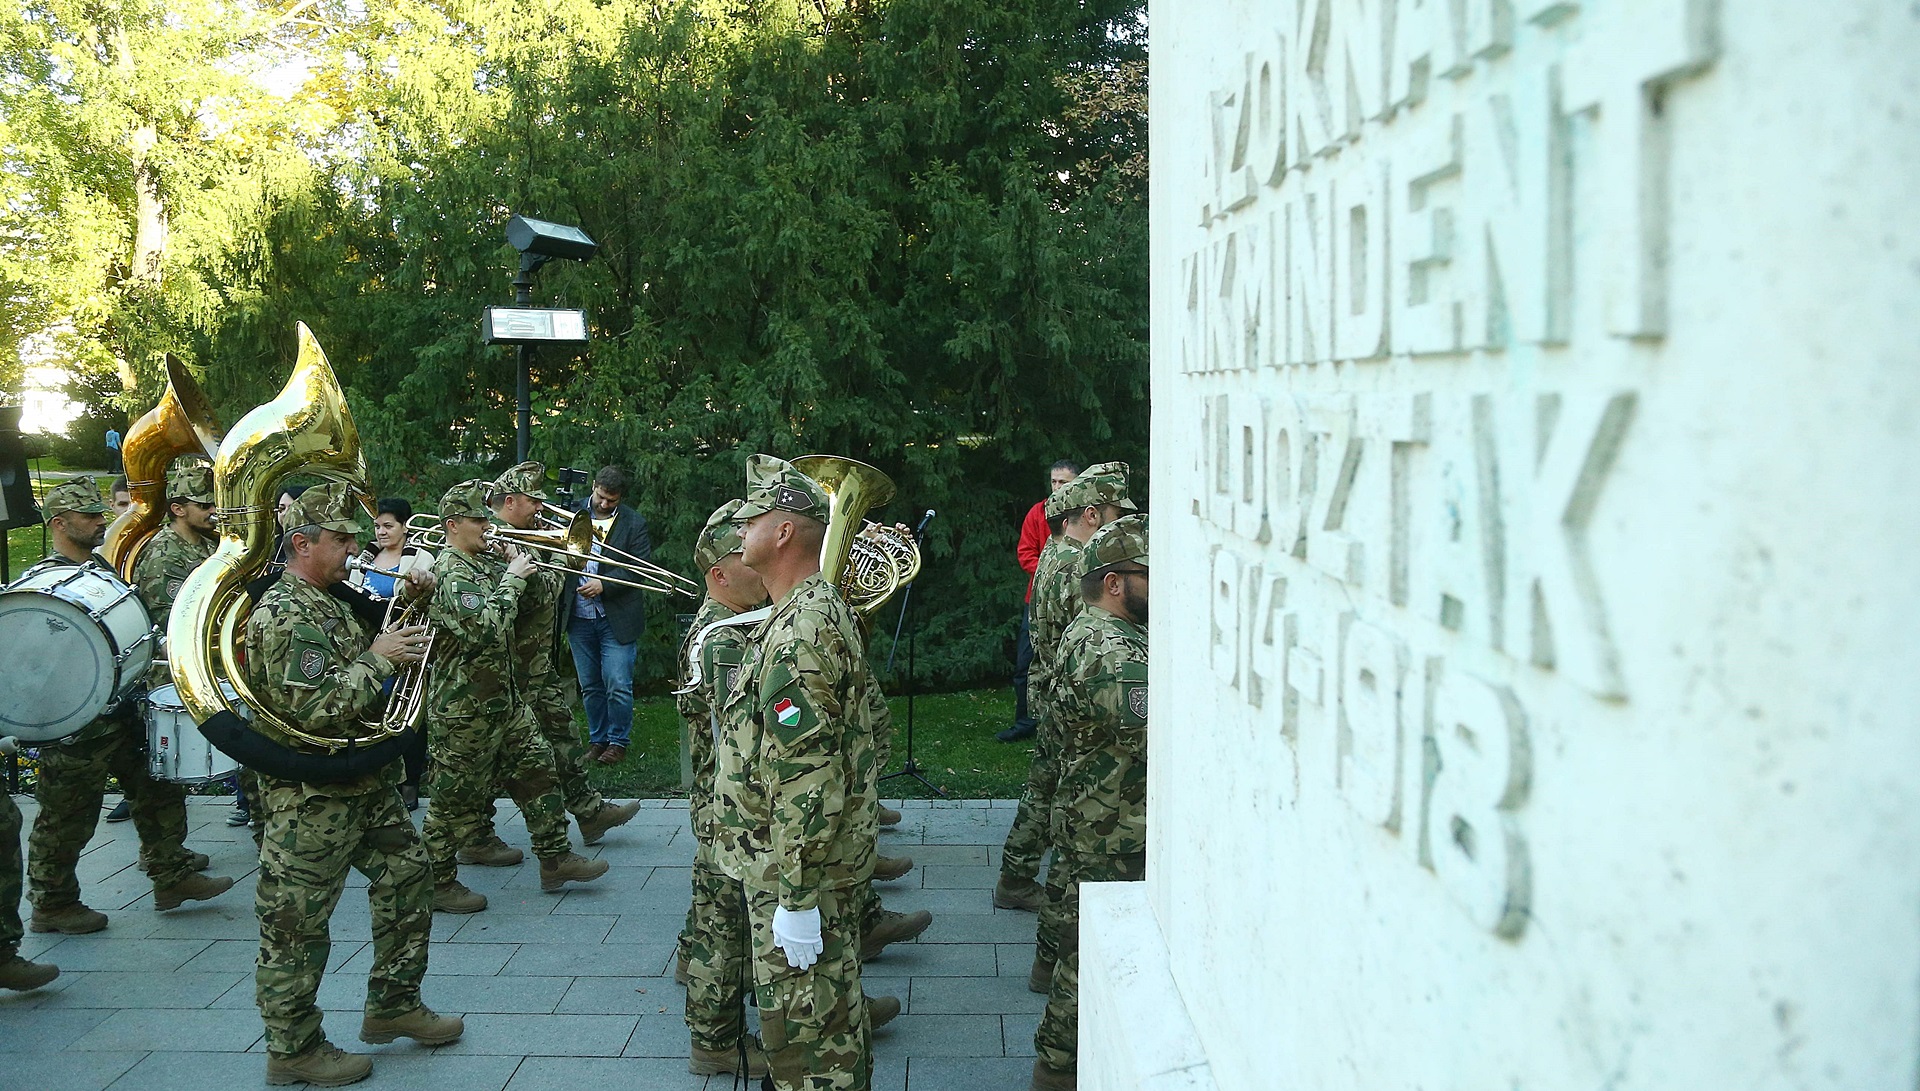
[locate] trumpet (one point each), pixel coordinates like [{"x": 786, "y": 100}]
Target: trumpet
[{"x": 560, "y": 550}]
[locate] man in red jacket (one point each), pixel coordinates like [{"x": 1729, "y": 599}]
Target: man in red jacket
[{"x": 1033, "y": 535}]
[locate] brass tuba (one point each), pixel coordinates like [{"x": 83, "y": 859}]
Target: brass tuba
[
  {"x": 181, "y": 423},
  {"x": 309, "y": 430},
  {"x": 867, "y": 561}
]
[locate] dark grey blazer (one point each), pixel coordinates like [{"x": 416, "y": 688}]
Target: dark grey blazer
[{"x": 626, "y": 606}]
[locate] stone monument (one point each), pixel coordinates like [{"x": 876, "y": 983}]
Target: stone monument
[{"x": 1536, "y": 510}]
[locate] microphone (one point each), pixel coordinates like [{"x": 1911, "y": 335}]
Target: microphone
[{"x": 920, "y": 531}]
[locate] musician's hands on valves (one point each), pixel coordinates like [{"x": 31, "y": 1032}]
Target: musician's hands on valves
[{"x": 405, "y": 644}]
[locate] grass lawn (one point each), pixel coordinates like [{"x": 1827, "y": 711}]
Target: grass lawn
[{"x": 953, "y": 744}]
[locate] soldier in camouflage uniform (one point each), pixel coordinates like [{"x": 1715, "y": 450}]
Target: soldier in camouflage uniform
[
  {"x": 166, "y": 561},
  {"x": 714, "y": 945},
  {"x": 481, "y": 727},
  {"x": 15, "y": 972},
  {"x": 1100, "y": 703},
  {"x": 73, "y": 774},
  {"x": 1080, "y": 507},
  {"x": 549, "y": 689},
  {"x": 795, "y": 792},
  {"x": 312, "y": 661}
]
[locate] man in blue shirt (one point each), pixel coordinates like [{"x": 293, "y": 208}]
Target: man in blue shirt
[{"x": 607, "y": 619}]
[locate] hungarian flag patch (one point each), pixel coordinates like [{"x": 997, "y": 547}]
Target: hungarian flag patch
[{"x": 785, "y": 711}]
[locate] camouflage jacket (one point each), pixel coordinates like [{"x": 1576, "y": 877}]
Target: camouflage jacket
[
  {"x": 720, "y": 658},
  {"x": 795, "y": 803},
  {"x": 164, "y": 565},
  {"x": 307, "y": 659},
  {"x": 536, "y": 628},
  {"x": 1056, "y": 599},
  {"x": 474, "y": 605},
  {"x": 1100, "y": 698}
]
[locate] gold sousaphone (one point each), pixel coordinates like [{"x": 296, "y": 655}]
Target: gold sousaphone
[
  {"x": 181, "y": 423},
  {"x": 306, "y": 430}
]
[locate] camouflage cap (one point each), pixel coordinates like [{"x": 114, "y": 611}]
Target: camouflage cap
[
  {"x": 191, "y": 481},
  {"x": 529, "y": 478},
  {"x": 718, "y": 538},
  {"x": 773, "y": 483},
  {"x": 81, "y": 494},
  {"x": 468, "y": 498},
  {"x": 1102, "y": 483},
  {"x": 1123, "y": 539},
  {"x": 332, "y": 506}
]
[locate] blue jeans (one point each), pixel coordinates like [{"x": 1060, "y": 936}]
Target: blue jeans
[{"x": 605, "y": 667}]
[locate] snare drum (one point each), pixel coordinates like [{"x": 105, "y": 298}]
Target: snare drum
[
  {"x": 176, "y": 750},
  {"x": 76, "y": 642}
]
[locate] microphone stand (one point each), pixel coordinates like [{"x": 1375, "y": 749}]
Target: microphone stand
[{"x": 911, "y": 768}]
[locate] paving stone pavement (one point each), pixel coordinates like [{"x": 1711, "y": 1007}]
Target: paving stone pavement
[{"x": 569, "y": 992}]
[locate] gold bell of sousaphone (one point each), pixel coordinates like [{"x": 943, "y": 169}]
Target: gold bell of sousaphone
[
  {"x": 867, "y": 561},
  {"x": 306, "y": 430},
  {"x": 181, "y": 423}
]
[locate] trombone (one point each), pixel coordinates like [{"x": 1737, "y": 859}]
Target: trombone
[
  {"x": 557, "y": 518},
  {"x": 564, "y": 550}
]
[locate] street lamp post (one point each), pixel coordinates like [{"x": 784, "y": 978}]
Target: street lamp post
[{"x": 525, "y": 326}]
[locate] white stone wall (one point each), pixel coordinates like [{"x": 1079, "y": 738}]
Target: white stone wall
[{"x": 1536, "y": 491}]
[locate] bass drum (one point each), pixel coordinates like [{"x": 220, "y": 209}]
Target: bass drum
[
  {"x": 76, "y": 643},
  {"x": 176, "y": 750}
]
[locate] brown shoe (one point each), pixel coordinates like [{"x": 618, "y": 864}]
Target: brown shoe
[
  {"x": 594, "y": 752},
  {"x": 607, "y": 817},
  {"x": 453, "y": 896},
  {"x": 613, "y": 755},
  {"x": 492, "y": 852},
  {"x": 1040, "y": 976},
  {"x": 881, "y": 1010},
  {"x": 893, "y": 928},
  {"x": 716, "y": 1062},
  {"x": 325, "y": 1065},
  {"x": 68, "y": 920},
  {"x": 572, "y": 867},
  {"x": 1019, "y": 894},
  {"x": 18, "y": 974},
  {"x": 888, "y": 868},
  {"x": 1048, "y": 1078},
  {"x": 421, "y": 1024},
  {"x": 889, "y": 816},
  {"x": 193, "y": 888},
  {"x": 680, "y": 970}
]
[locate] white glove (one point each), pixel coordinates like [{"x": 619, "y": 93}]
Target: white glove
[{"x": 797, "y": 932}]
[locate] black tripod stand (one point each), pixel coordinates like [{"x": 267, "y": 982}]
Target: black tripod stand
[{"x": 911, "y": 768}]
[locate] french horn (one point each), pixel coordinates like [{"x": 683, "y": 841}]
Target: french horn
[{"x": 867, "y": 561}]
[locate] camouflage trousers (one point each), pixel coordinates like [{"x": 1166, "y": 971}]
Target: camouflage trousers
[
  {"x": 310, "y": 838},
  {"x": 715, "y": 944},
  {"x": 468, "y": 757},
  {"x": 1027, "y": 841},
  {"x": 1057, "y": 1041},
  {"x": 73, "y": 778},
  {"x": 552, "y": 702},
  {"x": 10, "y": 877},
  {"x": 813, "y": 1021}
]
